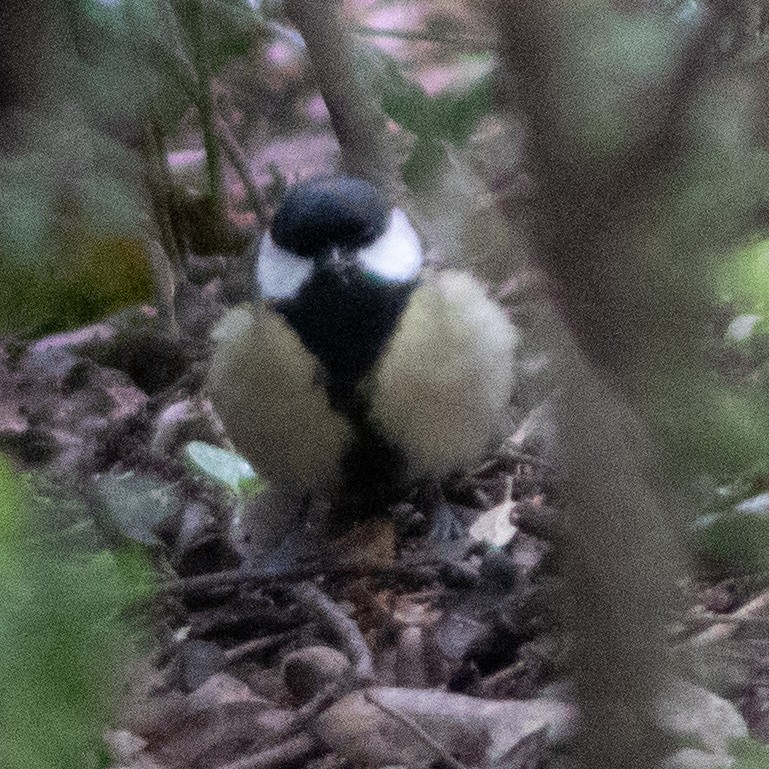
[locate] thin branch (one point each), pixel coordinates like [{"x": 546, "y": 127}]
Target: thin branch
[
  {"x": 238, "y": 161},
  {"x": 722, "y": 631},
  {"x": 360, "y": 125},
  {"x": 444, "y": 754},
  {"x": 206, "y": 103},
  {"x": 345, "y": 629},
  {"x": 585, "y": 203},
  {"x": 159, "y": 183},
  {"x": 165, "y": 289},
  {"x": 257, "y": 645},
  {"x": 175, "y": 64},
  {"x": 295, "y": 751},
  {"x": 327, "y": 696},
  {"x": 234, "y": 577},
  {"x": 422, "y": 36}
]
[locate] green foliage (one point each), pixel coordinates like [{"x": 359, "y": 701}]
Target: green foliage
[
  {"x": 733, "y": 543},
  {"x": 743, "y": 281},
  {"x": 70, "y": 206},
  {"x": 230, "y": 30},
  {"x": 750, "y": 754},
  {"x": 450, "y": 116},
  {"x": 424, "y": 163},
  {"x": 73, "y": 207},
  {"x": 63, "y": 635},
  {"x": 224, "y": 467}
]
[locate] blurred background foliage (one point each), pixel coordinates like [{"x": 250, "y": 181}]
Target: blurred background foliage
[{"x": 119, "y": 83}]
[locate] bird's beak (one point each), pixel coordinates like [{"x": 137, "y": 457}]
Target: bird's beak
[{"x": 341, "y": 265}]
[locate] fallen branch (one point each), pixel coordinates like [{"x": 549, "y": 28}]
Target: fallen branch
[
  {"x": 235, "y": 577},
  {"x": 445, "y": 756},
  {"x": 237, "y": 653},
  {"x": 723, "y": 631},
  {"x": 165, "y": 289},
  {"x": 341, "y": 626},
  {"x": 297, "y": 750}
]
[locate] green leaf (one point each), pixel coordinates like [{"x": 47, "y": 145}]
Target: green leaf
[
  {"x": 136, "y": 506},
  {"x": 450, "y": 116},
  {"x": 225, "y": 467},
  {"x": 733, "y": 542},
  {"x": 423, "y": 164},
  {"x": 457, "y": 113},
  {"x": 407, "y": 104},
  {"x": 231, "y": 31},
  {"x": 744, "y": 280}
]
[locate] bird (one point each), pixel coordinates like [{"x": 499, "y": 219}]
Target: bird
[{"x": 357, "y": 370}]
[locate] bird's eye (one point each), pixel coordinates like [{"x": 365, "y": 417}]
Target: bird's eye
[
  {"x": 396, "y": 255},
  {"x": 279, "y": 273}
]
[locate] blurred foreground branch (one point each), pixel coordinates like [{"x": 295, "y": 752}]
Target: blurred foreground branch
[
  {"x": 592, "y": 202},
  {"x": 632, "y": 328}
]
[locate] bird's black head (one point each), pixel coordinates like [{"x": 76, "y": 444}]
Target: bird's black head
[
  {"x": 339, "y": 263},
  {"x": 318, "y": 215}
]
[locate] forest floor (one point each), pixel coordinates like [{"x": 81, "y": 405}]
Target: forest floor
[{"x": 399, "y": 653}]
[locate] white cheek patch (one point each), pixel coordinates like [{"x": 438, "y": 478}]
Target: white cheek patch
[
  {"x": 279, "y": 273},
  {"x": 396, "y": 256}
]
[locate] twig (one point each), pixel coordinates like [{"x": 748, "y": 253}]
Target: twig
[
  {"x": 722, "y": 631},
  {"x": 181, "y": 69},
  {"x": 165, "y": 288},
  {"x": 296, "y": 750},
  {"x": 159, "y": 183},
  {"x": 238, "y": 161},
  {"x": 648, "y": 163},
  {"x": 345, "y": 629},
  {"x": 360, "y": 125},
  {"x": 510, "y": 459},
  {"x": 257, "y": 645},
  {"x": 508, "y": 675},
  {"x": 233, "y": 577},
  {"x": 329, "y": 694},
  {"x": 444, "y": 754},
  {"x": 467, "y": 43},
  {"x": 205, "y": 104}
]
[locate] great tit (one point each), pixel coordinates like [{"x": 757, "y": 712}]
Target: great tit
[{"x": 357, "y": 370}]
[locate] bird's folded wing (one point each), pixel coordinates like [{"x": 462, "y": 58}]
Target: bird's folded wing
[
  {"x": 442, "y": 387},
  {"x": 264, "y": 384}
]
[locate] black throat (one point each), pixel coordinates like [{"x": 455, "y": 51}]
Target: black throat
[{"x": 346, "y": 323}]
